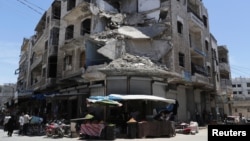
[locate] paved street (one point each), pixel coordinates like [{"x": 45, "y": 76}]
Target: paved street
[{"x": 201, "y": 136}]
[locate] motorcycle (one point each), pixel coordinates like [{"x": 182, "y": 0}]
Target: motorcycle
[{"x": 57, "y": 128}]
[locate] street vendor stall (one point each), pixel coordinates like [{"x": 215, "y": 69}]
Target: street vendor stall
[
  {"x": 92, "y": 126},
  {"x": 131, "y": 117}
]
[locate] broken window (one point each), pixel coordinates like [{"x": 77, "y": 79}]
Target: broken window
[
  {"x": 208, "y": 70},
  {"x": 69, "y": 32},
  {"x": 67, "y": 62},
  {"x": 163, "y": 15},
  {"x": 206, "y": 45},
  {"x": 48, "y": 20},
  {"x": 204, "y": 20},
  {"x": 56, "y": 12},
  {"x": 82, "y": 60},
  {"x": 54, "y": 36},
  {"x": 46, "y": 45},
  {"x": 181, "y": 59},
  {"x": 85, "y": 26},
  {"x": 179, "y": 27},
  {"x": 71, "y": 4},
  {"x": 44, "y": 72}
]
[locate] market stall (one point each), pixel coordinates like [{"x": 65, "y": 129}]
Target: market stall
[
  {"x": 91, "y": 126},
  {"x": 131, "y": 117}
]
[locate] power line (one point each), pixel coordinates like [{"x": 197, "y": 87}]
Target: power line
[
  {"x": 35, "y": 5},
  {"x": 30, "y": 7},
  {"x": 240, "y": 72}
]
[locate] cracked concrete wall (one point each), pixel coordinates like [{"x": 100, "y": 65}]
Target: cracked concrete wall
[
  {"x": 141, "y": 12},
  {"x": 154, "y": 49}
]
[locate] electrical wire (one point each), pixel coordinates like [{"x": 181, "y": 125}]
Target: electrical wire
[
  {"x": 35, "y": 5},
  {"x": 238, "y": 71},
  {"x": 30, "y": 7}
]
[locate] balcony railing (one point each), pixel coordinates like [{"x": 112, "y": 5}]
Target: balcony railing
[
  {"x": 200, "y": 78},
  {"x": 81, "y": 10},
  {"x": 224, "y": 83},
  {"x": 197, "y": 22},
  {"x": 224, "y": 67},
  {"x": 36, "y": 62}
]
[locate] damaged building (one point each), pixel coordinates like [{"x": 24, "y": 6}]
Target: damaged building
[{"x": 87, "y": 48}]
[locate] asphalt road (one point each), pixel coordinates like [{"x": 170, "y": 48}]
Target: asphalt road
[{"x": 201, "y": 136}]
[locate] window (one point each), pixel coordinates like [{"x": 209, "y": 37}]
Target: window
[
  {"x": 69, "y": 34},
  {"x": 46, "y": 45},
  {"x": 179, "y": 27},
  {"x": 234, "y": 85},
  {"x": 85, "y": 26},
  {"x": 206, "y": 45},
  {"x": 56, "y": 12},
  {"x": 248, "y": 109},
  {"x": 48, "y": 20},
  {"x": 67, "y": 62},
  {"x": 238, "y": 85},
  {"x": 204, "y": 20},
  {"x": 248, "y": 84},
  {"x": 235, "y": 110},
  {"x": 71, "y": 4},
  {"x": 82, "y": 60},
  {"x": 240, "y": 92},
  {"x": 54, "y": 36},
  {"x": 248, "y": 91},
  {"x": 234, "y": 92},
  {"x": 208, "y": 70},
  {"x": 181, "y": 59},
  {"x": 44, "y": 72}
]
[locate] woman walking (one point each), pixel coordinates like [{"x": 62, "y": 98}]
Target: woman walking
[{"x": 11, "y": 125}]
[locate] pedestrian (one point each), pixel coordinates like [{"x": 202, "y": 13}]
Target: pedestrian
[
  {"x": 21, "y": 123},
  {"x": 11, "y": 125},
  {"x": 26, "y": 119}
]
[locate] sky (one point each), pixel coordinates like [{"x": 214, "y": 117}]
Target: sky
[
  {"x": 18, "y": 21},
  {"x": 228, "y": 21}
]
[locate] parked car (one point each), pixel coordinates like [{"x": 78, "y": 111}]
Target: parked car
[{"x": 232, "y": 120}]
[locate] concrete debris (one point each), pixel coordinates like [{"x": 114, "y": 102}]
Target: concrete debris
[
  {"x": 135, "y": 65},
  {"x": 92, "y": 73},
  {"x": 142, "y": 32}
]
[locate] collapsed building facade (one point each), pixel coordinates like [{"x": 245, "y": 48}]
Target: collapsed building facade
[{"x": 85, "y": 48}]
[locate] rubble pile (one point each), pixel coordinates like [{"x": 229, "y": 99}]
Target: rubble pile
[
  {"x": 135, "y": 65},
  {"x": 129, "y": 61}
]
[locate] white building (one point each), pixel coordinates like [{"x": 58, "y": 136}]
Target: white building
[{"x": 241, "y": 91}]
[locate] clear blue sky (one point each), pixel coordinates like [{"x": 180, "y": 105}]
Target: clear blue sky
[
  {"x": 229, "y": 23},
  {"x": 18, "y": 20}
]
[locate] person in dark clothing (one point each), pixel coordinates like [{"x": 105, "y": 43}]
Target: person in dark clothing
[
  {"x": 11, "y": 125},
  {"x": 174, "y": 111}
]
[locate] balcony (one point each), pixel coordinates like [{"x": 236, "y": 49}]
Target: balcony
[
  {"x": 224, "y": 67},
  {"x": 53, "y": 50},
  {"x": 40, "y": 41},
  {"x": 201, "y": 81},
  {"x": 55, "y": 23},
  {"x": 71, "y": 74},
  {"x": 37, "y": 61},
  {"x": 73, "y": 43},
  {"x": 38, "y": 84},
  {"x": 225, "y": 83},
  {"x": 195, "y": 22},
  {"x": 80, "y": 11}
]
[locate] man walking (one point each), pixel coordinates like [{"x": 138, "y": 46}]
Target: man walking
[
  {"x": 21, "y": 123},
  {"x": 26, "y": 119}
]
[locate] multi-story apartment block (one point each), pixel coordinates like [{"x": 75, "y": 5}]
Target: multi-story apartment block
[
  {"x": 154, "y": 47},
  {"x": 226, "y": 92},
  {"x": 8, "y": 95},
  {"x": 241, "y": 96}
]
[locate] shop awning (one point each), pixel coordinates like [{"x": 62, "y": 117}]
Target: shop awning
[
  {"x": 119, "y": 97},
  {"x": 103, "y": 101}
]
